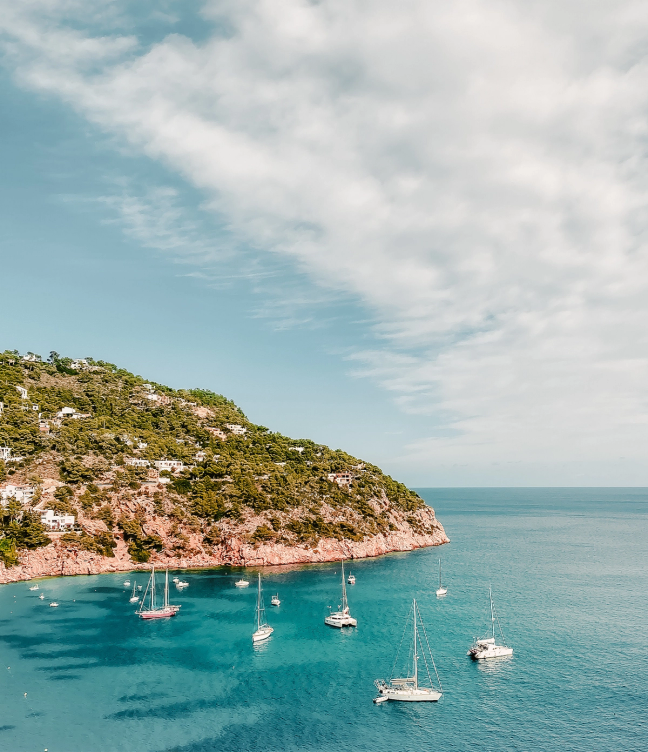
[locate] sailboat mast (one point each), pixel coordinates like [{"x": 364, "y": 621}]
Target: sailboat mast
[
  {"x": 166, "y": 589},
  {"x": 439, "y": 573},
  {"x": 153, "y": 588},
  {"x": 415, "y": 654},
  {"x": 490, "y": 595},
  {"x": 259, "y": 604},
  {"x": 344, "y": 598}
]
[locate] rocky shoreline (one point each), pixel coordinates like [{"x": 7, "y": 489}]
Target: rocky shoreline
[{"x": 57, "y": 560}]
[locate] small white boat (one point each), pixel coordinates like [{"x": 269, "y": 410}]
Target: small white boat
[
  {"x": 181, "y": 585},
  {"x": 274, "y": 601},
  {"x": 263, "y": 630},
  {"x": 242, "y": 583},
  {"x": 442, "y": 590},
  {"x": 127, "y": 583},
  {"x": 409, "y": 688},
  {"x": 487, "y": 648},
  {"x": 351, "y": 579},
  {"x": 342, "y": 617},
  {"x": 53, "y": 604},
  {"x": 139, "y": 587},
  {"x": 176, "y": 579},
  {"x": 42, "y": 596},
  {"x": 34, "y": 587},
  {"x": 134, "y": 597}
]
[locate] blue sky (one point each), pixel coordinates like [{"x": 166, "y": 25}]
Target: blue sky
[{"x": 415, "y": 233}]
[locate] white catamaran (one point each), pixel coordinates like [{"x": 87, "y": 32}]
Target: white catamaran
[
  {"x": 412, "y": 688},
  {"x": 154, "y": 611},
  {"x": 486, "y": 647},
  {"x": 341, "y": 618},
  {"x": 263, "y": 630},
  {"x": 442, "y": 590}
]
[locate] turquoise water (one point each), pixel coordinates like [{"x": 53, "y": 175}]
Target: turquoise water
[{"x": 570, "y": 580}]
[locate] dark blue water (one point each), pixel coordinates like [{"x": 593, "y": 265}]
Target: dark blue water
[{"x": 570, "y": 580}]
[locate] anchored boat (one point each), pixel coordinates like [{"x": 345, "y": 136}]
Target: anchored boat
[
  {"x": 486, "y": 647},
  {"x": 412, "y": 688},
  {"x": 134, "y": 597},
  {"x": 154, "y": 611},
  {"x": 342, "y": 617},
  {"x": 263, "y": 630},
  {"x": 442, "y": 590}
]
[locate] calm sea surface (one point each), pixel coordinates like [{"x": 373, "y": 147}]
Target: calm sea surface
[{"x": 569, "y": 570}]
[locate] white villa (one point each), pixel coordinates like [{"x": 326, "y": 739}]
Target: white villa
[
  {"x": 24, "y": 494},
  {"x": 342, "y": 479},
  {"x": 170, "y": 465},
  {"x": 55, "y": 521},
  {"x": 5, "y": 453},
  {"x": 236, "y": 429},
  {"x": 135, "y": 462}
]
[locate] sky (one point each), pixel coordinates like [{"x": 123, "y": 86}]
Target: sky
[{"x": 415, "y": 231}]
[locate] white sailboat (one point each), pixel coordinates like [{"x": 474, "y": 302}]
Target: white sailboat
[
  {"x": 341, "y": 618},
  {"x": 34, "y": 587},
  {"x": 134, "y": 597},
  {"x": 263, "y": 630},
  {"x": 442, "y": 590},
  {"x": 486, "y": 647},
  {"x": 412, "y": 688},
  {"x": 154, "y": 611}
]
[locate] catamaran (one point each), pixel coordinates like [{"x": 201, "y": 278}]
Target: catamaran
[
  {"x": 153, "y": 611},
  {"x": 442, "y": 590},
  {"x": 411, "y": 688},
  {"x": 341, "y": 618},
  {"x": 134, "y": 597},
  {"x": 486, "y": 647},
  {"x": 263, "y": 630}
]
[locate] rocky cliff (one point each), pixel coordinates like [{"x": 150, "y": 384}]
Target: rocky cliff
[{"x": 137, "y": 473}]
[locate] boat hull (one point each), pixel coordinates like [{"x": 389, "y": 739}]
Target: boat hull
[
  {"x": 484, "y": 655},
  {"x": 441, "y": 592},
  {"x": 162, "y": 613},
  {"x": 340, "y": 621},
  {"x": 262, "y": 634},
  {"x": 414, "y": 695}
]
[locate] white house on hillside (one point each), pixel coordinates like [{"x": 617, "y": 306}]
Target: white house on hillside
[
  {"x": 170, "y": 465},
  {"x": 342, "y": 479},
  {"x": 236, "y": 429},
  {"x": 55, "y": 521},
  {"x": 23, "y": 494},
  {"x": 135, "y": 462}
]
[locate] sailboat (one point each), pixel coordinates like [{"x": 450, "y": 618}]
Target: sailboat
[
  {"x": 134, "y": 597},
  {"x": 263, "y": 630},
  {"x": 412, "y": 688},
  {"x": 34, "y": 587},
  {"x": 341, "y": 618},
  {"x": 442, "y": 590},
  {"x": 153, "y": 611},
  {"x": 486, "y": 647}
]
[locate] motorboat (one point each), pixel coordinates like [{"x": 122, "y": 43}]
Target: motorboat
[
  {"x": 42, "y": 596},
  {"x": 242, "y": 583},
  {"x": 34, "y": 587},
  {"x": 127, "y": 583},
  {"x": 274, "y": 601},
  {"x": 53, "y": 604},
  {"x": 351, "y": 579},
  {"x": 180, "y": 584},
  {"x": 485, "y": 648},
  {"x": 413, "y": 687},
  {"x": 341, "y": 617},
  {"x": 263, "y": 630}
]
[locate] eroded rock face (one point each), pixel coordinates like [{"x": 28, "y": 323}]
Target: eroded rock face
[{"x": 57, "y": 559}]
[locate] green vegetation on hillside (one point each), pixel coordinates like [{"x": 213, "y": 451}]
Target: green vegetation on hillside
[{"x": 120, "y": 417}]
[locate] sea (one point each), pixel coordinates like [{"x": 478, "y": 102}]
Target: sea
[{"x": 569, "y": 575}]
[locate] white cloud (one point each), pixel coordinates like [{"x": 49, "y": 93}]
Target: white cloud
[{"x": 473, "y": 172}]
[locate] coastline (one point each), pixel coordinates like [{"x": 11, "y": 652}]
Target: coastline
[{"x": 56, "y": 560}]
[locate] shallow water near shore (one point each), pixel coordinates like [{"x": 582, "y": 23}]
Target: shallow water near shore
[{"x": 569, "y": 570}]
